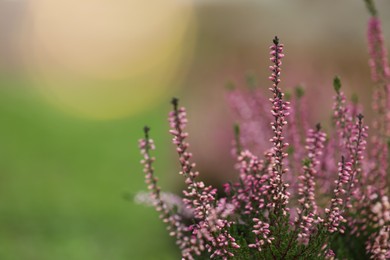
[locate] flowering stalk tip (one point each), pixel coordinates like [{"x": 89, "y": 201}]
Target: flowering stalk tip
[
  {"x": 337, "y": 84},
  {"x": 146, "y": 131},
  {"x": 371, "y": 7},
  {"x": 175, "y": 102},
  {"x": 276, "y": 40}
]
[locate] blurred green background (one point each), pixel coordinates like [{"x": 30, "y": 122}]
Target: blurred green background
[
  {"x": 64, "y": 180},
  {"x": 79, "y": 79}
]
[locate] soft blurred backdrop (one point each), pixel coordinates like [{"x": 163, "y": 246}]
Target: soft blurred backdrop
[{"x": 79, "y": 79}]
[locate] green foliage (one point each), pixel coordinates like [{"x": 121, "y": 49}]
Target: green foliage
[
  {"x": 286, "y": 245},
  {"x": 349, "y": 246}
]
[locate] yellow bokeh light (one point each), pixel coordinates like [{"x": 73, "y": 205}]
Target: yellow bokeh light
[{"x": 108, "y": 59}]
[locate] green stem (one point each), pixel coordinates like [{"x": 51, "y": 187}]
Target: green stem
[{"x": 371, "y": 7}]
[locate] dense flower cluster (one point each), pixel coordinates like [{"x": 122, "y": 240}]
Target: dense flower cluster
[{"x": 306, "y": 194}]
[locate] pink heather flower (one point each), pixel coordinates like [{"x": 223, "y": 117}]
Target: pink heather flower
[
  {"x": 378, "y": 53},
  {"x": 380, "y": 249},
  {"x": 334, "y": 216},
  {"x": 253, "y": 188},
  {"x": 330, "y": 255},
  {"x": 262, "y": 232},
  {"x": 342, "y": 118},
  {"x": 211, "y": 231},
  {"x": 380, "y": 73},
  {"x": 217, "y": 230},
  {"x": 357, "y": 154},
  {"x": 197, "y": 196},
  {"x": 314, "y": 145},
  {"x": 306, "y": 214},
  {"x": 279, "y": 111},
  {"x": 174, "y": 222},
  {"x": 381, "y": 210}
]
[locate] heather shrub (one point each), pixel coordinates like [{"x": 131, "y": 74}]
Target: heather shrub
[{"x": 301, "y": 192}]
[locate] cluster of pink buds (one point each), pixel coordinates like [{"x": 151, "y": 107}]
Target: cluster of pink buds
[
  {"x": 315, "y": 144},
  {"x": 306, "y": 192},
  {"x": 262, "y": 232},
  {"x": 334, "y": 214},
  {"x": 280, "y": 109},
  {"x": 378, "y": 53},
  {"x": 198, "y": 197},
  {"x": 251, "y": 191},
  {"x": 173, "y": 220},
  {"x": 380, "y": 249}
]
